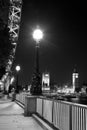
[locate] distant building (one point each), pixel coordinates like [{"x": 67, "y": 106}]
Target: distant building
[
  {"x": 66, "y": 89},
  {"x": 72, "y": 88},
  {"x": 75, "y": 77},
  {"x": 84, "y": 88},
  {"x": 46, "y": 81}
]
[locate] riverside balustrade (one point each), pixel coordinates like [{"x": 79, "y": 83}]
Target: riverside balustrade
[
  {"x": 61, "y": 114},
  {"x": 19, "y": 97}
]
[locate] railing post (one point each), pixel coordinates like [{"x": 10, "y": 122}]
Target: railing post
[
  {"x": 70, "y": 116},
  {"x": 42, "y": 106},
  {"x": 30, "y": 105},
  {"x": 52, "y": 109},
  {"x": 85, "y": 120}
]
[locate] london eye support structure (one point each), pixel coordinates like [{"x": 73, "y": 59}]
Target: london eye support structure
[{"x": 14, "y": 19}]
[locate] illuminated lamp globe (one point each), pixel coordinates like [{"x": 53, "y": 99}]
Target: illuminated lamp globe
[
  {"x": 17, "y": 68},
  {"x": 37, "y": 35}
]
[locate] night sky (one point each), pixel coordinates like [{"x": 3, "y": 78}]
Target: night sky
[{"x": 64, "y": 43}]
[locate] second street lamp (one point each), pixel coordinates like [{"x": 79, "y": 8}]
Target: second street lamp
[
  {"x": 36, "y": 78},
  {"x": 16, "y": 86},
  {"x": 17, "y": 69}
]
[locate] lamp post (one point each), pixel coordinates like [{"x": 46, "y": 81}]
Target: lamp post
[
  {"x": 36, "y": 78},
  {"x": 17, "y": 69}
]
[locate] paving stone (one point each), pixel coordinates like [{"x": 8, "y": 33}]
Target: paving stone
[{"x": 12, "y": 117}]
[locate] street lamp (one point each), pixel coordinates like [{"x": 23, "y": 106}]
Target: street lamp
[
  {"x": 36, "y": 78},
  {"x": 37, "y": 35},
  {"x": 17, "y": 69}
]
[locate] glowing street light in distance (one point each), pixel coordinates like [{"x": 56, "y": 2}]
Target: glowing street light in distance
[
  {"x": 18, "y": 68},
  {"x": 37, "y": 35}
]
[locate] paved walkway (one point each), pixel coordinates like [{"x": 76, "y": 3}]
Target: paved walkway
[{"x": 12, "y": 117}]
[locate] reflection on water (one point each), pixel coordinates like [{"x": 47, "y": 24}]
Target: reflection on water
[
  {"x": 78, "y": 100},
  {"x": 75, "y": 98}
]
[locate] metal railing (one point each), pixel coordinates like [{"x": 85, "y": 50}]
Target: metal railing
[
  {"x": 63, "y": 115},
  {"x": 19, "y": 97}
]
